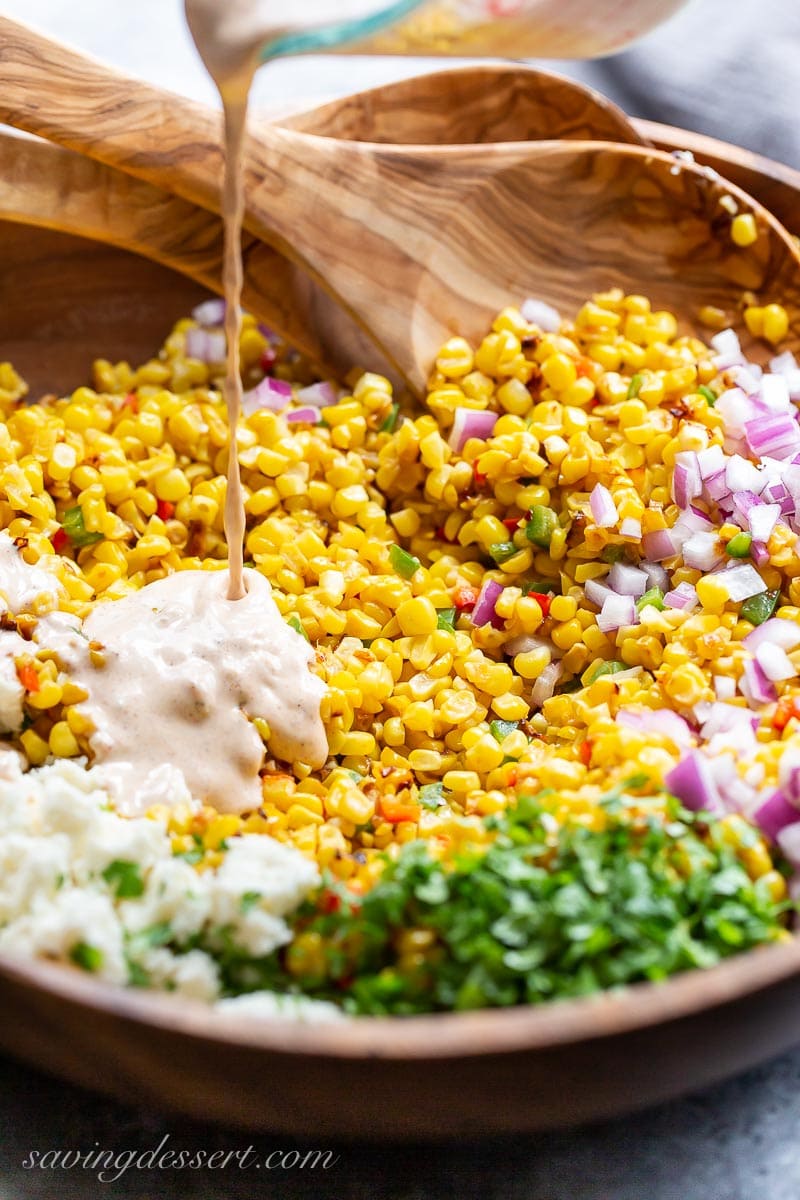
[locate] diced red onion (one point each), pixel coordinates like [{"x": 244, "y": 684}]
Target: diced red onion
[
  {"x": 656, "y": 575},
  {"x": 684, "y": 596},
  {"x": 789, "y": 774},
  {"x": 736, "y": 409},
  {"x": 616, "y": 612},
  {"x": 762, "y": 519},
  {"x": 789, "y": 841},
  {"x": 628, "y": 581},
  {"x": 703, "y": 551},
  {"x": 545, "y": 685},
  {"x": 716, "y": 485},
  {"x": 270, "y": 393},
  {"x": 206, "y": 345},
  {"x": 775, "y": 814},
  {"x": 631, "y": 528},
  {"x": 604, "y": 510},
  {"x": 686, "y": 479},
  {"x": 470, "y": 423},
  {"x": 724, "y": 687},
  {"x": 536, "y": 312},
  {"x": 657, "y": 720},
  {"x": 783, "y": 363},
  {"x": 210, "y": 313},
  {"x": 597, "y": 592},
  {"x": 748, "y": 378},
  {"x": 710, "y": 461},
  {"x": 307, "y": 414},
  {"x": 721, "y": 718},
  {"x": 691, "y": 781},
  {"x": 726, "y": 342},
  {"x": 527, "y": 642},
  {"x": 759, "y": 553},
  {"x": 693, "y": 520},
  {"x": 742, "y": 475},
  {"x": 755, "y": 686},
  {"x": 775, "y": 663},
  {"x": 776, "y": 434},
  {"x": 774, "y": 393},
  {"x": 318, "y": 395},
  {"x": 741, "y": 582},
  {"x": 776, "y": 631},
  {"x": 485, "y": 605}
]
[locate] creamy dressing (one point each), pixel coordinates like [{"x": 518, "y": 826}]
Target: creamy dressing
[
  {"x": 232, "y": 34},
  {"x": 24, "y": 588},
  {"x": 174, "y": 673}
]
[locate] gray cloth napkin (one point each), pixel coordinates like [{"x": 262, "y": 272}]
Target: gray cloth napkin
[{"x": 729, "y": 68}]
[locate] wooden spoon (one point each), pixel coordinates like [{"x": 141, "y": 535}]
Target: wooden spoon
[{"x": 420, "y": 242}]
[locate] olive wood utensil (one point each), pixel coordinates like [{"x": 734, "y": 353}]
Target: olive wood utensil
[{"x": 420, "y": 242}]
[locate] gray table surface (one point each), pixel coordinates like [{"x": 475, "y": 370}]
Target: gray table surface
[{"x": 720, "y": 67}]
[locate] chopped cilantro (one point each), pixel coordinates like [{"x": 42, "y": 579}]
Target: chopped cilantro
[
  {"x": 125, "y": 878},
  {"x": 87, "y": 957},
  {"x": 540, "y": 914}
]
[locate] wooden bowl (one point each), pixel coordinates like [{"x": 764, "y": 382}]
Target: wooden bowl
[{"x": 67, "y": 300}]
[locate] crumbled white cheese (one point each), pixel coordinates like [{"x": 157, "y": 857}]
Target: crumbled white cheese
[
  {"x": 59, "y": 835},
  {"x": 266, "y": 1005}
]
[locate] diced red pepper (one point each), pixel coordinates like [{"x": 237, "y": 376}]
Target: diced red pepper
[
  {"x": 59, "y": 541},
  {"x": 512, "y": 523},
  {"x": 27, "y": 676},
  {"x": 330, "y": 902},
  {"x": 465, "y": 598},
  {"x": 479, "y": 478},
  {"x": 787, "y": 707},
  {"x": 543, "y": 601},
  {"x": 585, "y": 753},
  {"x": 394, "y": 810},
  {"x": 165, "y": 509},
  {"x": 268, "y": 359},
  {"x": 130, "y": 402}
]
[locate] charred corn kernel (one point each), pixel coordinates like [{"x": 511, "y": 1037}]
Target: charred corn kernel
[
  {"x": 744, "y": 230},
  {"x": 776, "y": 323},
  {"x": 35, "y": 748},
  {"x": 172, "y": 485},
  {"x": 455, "y": 359},
  {"x": 566, "y": 635},
  {"x": 687, "y": 685},
  {"x": 530, "y": 663},
  {"x": 559, "y": 371},
  {"x": 417, "y": 617},
  {"x": 754, "y": 320},
  {"x": 461, "y": 782},
  {"x": 510, "y": 707},
  {"x": 62, "y": 741},
  {"x": 48, "y": 695},
  {"x": 711, "y": 594},
  {"x": 563, "y": 608},
  {"x": 219, "y": 828}
]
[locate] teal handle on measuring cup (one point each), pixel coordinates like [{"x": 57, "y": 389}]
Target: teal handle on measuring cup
[{"x": 339, "y": 32}]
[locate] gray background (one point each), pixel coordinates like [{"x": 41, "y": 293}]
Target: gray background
[{"x": 724, "y": 67}]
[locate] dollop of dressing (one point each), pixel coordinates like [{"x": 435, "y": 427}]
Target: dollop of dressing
[{"x": 176, "y": 671}]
